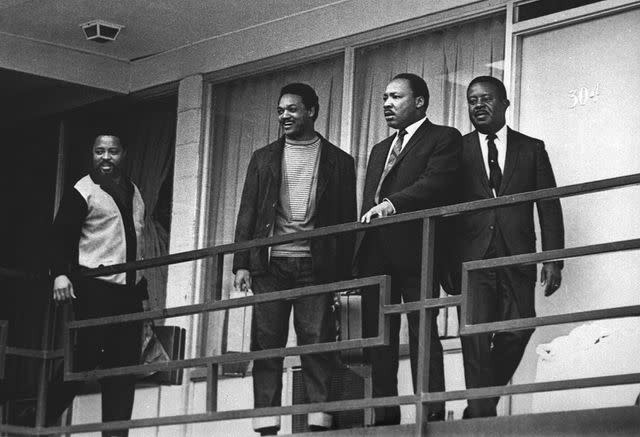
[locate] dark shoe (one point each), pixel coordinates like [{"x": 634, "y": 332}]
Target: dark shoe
[{"x": 271, "y": 430}]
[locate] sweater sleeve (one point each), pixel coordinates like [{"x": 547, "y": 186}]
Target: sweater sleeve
[{"x": 67, "y": 227}]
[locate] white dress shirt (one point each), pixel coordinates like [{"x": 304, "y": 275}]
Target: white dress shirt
[
  {"x": 411, "y": 129},
  {"x": 501, "y": 145}
]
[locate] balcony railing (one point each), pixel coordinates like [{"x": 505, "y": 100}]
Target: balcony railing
[{"x": 425, "y": 306}]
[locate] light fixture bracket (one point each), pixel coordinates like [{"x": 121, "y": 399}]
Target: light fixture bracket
[{"x": 101, "y": 31}]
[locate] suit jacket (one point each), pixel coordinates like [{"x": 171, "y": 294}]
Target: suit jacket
[
  {"x": 526, "y": 168},
  {"x": 424, "y": 176},
  {"x": 335, "y": 203}
]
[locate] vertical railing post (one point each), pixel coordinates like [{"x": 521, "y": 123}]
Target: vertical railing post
[
  {"x": 424, "y": 332},
  {"x": 43, "y": 377},
  {"x": 466, "y": 308},
  {"x": 216, "y": 295},
  {"x": 4, "y": 329}
]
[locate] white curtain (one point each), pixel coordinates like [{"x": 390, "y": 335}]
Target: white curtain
[
  {"x": 244, "y": 119},
  {"x": 447, "y": 59}
]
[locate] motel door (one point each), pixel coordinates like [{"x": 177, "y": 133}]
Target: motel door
[{"x": 577, "y": 87}]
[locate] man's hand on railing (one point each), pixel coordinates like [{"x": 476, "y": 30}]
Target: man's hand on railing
[
  {"x": 382, "y": 209},
  {"x": 242, "y": 280},
  {"x": 550, "y": 277},
  {"x": 62, "y": 289}
]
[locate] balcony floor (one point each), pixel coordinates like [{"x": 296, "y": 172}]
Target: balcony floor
[{"x": 622, "y": 421}]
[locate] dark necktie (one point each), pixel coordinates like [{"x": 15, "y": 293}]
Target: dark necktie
[
  {"x": 395, "y": 151},
  {"x": 495, "y": 174}
]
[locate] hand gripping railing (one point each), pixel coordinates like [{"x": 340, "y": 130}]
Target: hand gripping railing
[{"x": 426, "y": 307}]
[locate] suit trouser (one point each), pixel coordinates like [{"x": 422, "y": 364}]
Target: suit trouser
[
  {"x": 384, "y": 360},
  {"x": 102, "y": 346},
  {"x": 313, "y": 322},
  {"x": 492, "y": 359}
]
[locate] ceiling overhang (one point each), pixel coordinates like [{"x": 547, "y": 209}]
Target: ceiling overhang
[{"x": 70, "y": 65}]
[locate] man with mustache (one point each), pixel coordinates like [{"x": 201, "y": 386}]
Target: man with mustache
[
  {"x": 297, "y": 183},
  {"x": 100, "y": 222},
  {"x": 499, "y": 161},
  {"x": 415, "y": 168}
]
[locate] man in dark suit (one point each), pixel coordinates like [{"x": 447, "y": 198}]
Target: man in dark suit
[
  {"x": 297, "y": 183},
  {"x": 499, "y": 161},
  {"x": 415, "y": 168}
]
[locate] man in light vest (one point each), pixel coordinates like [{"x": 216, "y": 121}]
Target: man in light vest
[{"x": 100, "y": 222}]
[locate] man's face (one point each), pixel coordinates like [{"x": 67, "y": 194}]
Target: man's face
[
  {"x": 108, "y": 155},
  {"x": 295, "y": 118},
  {"x": 401, "y": 108},
  {"x": 486, "y": 107}
]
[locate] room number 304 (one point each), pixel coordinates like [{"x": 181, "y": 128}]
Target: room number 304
[{"x": 583, "y": 95}]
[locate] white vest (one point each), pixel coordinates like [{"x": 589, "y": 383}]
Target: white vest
[{"x": 102, "y": 239}]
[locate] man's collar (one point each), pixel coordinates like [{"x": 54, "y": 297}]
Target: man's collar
[
  {"x": 413, "y": 127},
  {"x": 501, "y": 135}
]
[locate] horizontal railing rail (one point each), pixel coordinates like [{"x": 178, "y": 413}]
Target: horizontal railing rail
[
  {"x": 425, "y": 306},
  {"x": 442, "y": 211},
  {"x": 382, "y": 282},
  {"x": 470, "y": 328}
]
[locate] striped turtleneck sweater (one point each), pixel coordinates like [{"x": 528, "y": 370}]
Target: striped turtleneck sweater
[{"x": 297, "y": 206}]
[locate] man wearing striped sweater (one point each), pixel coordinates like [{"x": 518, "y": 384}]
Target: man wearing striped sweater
[{"x": 297, "y": 183}]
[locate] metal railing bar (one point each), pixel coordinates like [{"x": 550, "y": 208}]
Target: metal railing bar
[
  {"x": 233, "y": 303},
  {"x": 408, "y": 307},
  {"x": 425, "y": 326},
  {"x": 14, "y": 430},
  {"x": 227, "y": 358},
  {"x": 4, "y": 328},
  {"x": 534, "y": 387},
  {"x": 352, "y": 404},
  {"x": 443, "y": 211},
  {"x": 34, "y": 353},
  {"x": 557, "y": 319},
  {"x": 475, "y": 393},
  {"x": 13, "y": 274},
  {"x": 553, "y": 255}
]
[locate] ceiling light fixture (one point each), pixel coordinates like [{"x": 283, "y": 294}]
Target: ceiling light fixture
[{"x": 101, "y": 31}]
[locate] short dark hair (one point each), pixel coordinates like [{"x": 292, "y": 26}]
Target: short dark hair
[
  {"x": 116, "y": 137},
  {"x": 308, "y": 95},
  {"x": 497, "y": 83},
  {"x": 417, "y": 84}
]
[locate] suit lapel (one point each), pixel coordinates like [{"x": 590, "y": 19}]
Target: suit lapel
[
  {"x": 275, "y": 160},
  {"x": 478, "y": 163},
  {"x": 326, "y": 167},
  {"x": 415, "y": 139},
  {"x": 511, "y": 160},
  {"x": 375, "y": 168}
]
